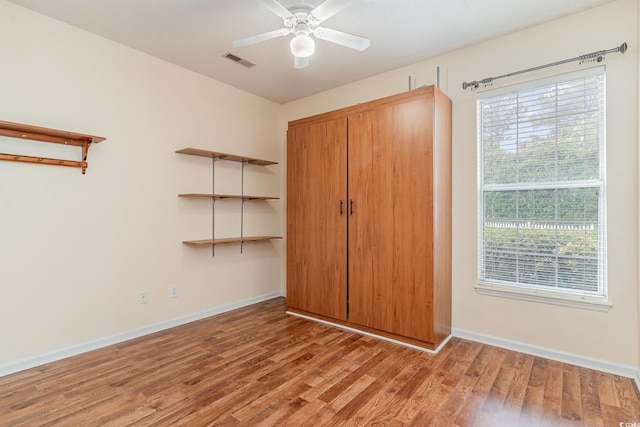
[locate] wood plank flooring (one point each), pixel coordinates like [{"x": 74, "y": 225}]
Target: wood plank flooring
[{"x": 257, "y": 366}]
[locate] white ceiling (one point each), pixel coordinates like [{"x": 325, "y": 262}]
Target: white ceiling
[{"x": 195, "y": 34}]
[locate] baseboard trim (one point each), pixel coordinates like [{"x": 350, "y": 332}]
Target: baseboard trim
[
  {"x": 369, "y": 334},
  {"x": 547, "y": 353},
  {"x": 32, "y": 362}
]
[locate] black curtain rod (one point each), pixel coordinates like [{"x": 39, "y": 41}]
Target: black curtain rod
[{"x": 594, "y": 56}]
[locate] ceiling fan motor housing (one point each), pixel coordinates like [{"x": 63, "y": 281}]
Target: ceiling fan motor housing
[{"x": 301, "y": 17}]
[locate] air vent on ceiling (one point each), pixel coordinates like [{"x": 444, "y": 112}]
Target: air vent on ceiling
[{"x": 236, "y": 58}]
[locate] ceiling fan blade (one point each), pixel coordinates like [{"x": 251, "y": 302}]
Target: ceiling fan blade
[
  {"x": 329, "y": 8},
  {"x": 276, "y": 8},
  {"x": 261, "y": 37},
  {"x": 341, "y": 38},
  {"x": 300, "y": 62}
]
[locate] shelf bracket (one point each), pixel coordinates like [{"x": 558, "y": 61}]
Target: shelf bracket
[
  {"x": 213, "y": 204},
  {"x": 85, "y": 152},
  {"x": 244, "y": 163}
]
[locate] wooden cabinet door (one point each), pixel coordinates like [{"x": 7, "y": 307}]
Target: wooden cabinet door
[
  {"x": 316, "y": 227},
  {"x": 390, "y": 229}
]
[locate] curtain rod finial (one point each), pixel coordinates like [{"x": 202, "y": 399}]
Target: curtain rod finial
[{"x": 623, "y": 47}]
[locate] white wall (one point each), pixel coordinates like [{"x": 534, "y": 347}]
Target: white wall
[
  {"x": 612, "y": 336},
  {"x": 76, "y": 249}
]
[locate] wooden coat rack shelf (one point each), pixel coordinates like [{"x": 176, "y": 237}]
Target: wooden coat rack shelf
[{"x": 35, "y": 133}]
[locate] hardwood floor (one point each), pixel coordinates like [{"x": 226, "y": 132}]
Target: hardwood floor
[{"x": 258, "y": 366}]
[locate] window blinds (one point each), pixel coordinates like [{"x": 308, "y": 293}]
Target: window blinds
[{"x": 542, "y": 185}]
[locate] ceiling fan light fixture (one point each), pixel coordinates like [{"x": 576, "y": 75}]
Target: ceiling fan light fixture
[{"x": 302, "y": 46}]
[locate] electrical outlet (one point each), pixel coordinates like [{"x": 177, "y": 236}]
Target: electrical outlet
[
  {"x": 143, "y": 297},
  {"x": 173, "y": 291}
]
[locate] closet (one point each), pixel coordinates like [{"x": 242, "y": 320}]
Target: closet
[{"x": 369, "y": 217}]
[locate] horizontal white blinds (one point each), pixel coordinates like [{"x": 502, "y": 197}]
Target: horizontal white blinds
[{"x": 541, "y": 203}]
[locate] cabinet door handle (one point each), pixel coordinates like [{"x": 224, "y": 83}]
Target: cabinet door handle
[
  {"x": 350, "y": 206},
  {"x": 341, "y": 206}
]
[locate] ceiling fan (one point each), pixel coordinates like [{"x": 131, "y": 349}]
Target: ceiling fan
[{"x": 303, "y": 20}]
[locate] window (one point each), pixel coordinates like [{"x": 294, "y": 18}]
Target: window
[{"x": 542, "y": 186}]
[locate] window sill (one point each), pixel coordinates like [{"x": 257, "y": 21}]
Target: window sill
[{"x": 541, "y": 297}]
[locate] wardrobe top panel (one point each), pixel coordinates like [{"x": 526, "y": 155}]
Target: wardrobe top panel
[{"x": 423, "y": 92}]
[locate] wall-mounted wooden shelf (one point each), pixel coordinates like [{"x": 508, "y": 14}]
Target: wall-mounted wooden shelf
[
  {"x": 209, "y": 242},
  {"x": 226, "y": 196},
  {"x": 225, "y": 156},
  {"x": 36, "y": 133}
]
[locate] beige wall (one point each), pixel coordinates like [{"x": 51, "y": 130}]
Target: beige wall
[
  {"x": 611, "y": 336},
  {"x": 76, "y": 249}
]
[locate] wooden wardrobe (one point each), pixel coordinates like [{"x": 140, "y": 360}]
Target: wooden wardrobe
[{"x": 369, "y": 217}]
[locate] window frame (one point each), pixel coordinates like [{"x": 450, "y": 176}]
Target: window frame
[{"x": 531, "y": 292}]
